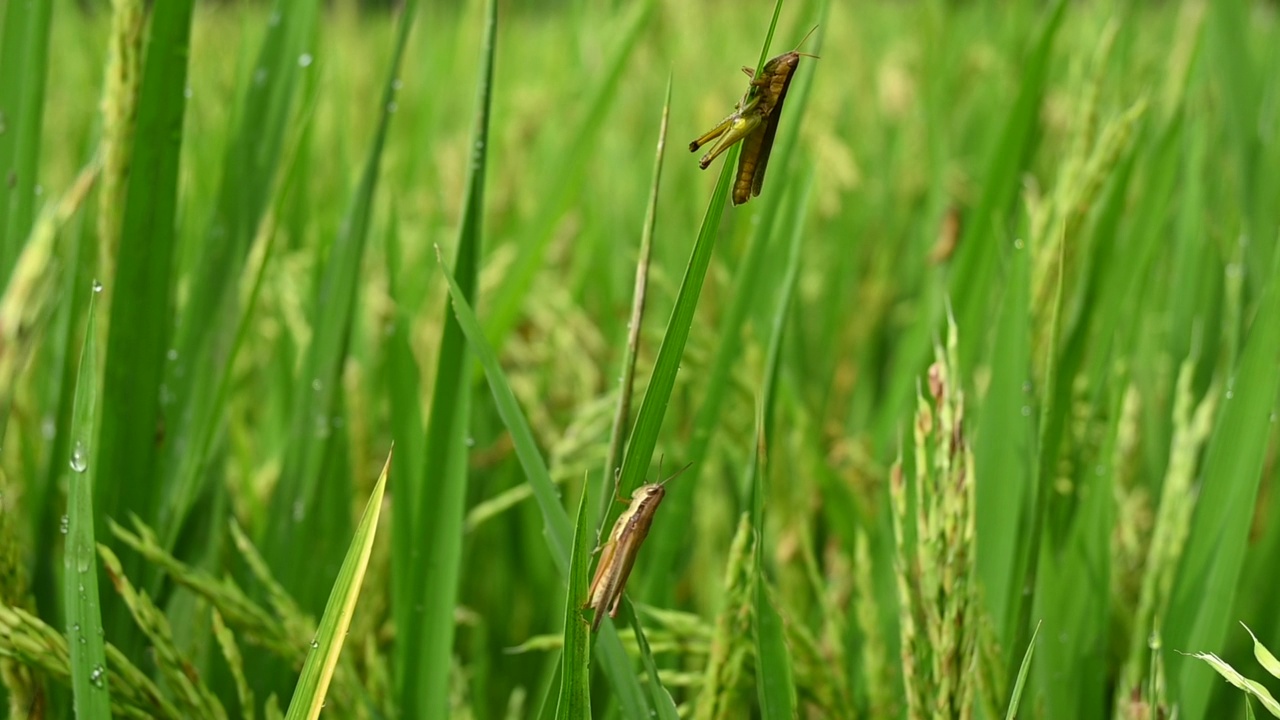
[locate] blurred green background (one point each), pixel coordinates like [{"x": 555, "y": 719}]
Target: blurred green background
[{"x": 1081, "y": 199}]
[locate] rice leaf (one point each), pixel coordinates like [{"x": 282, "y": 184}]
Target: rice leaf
[
  {"x": 1023, "y": 670},
  {"x": 309, "y": 694},
  {"x": 575, "y": 675},
  {"x": 556, "y": 522},
  {"x": 1219, "y": 531},
  {"x": 433, "y": 504},
  {"x": 92, "y": 697}
]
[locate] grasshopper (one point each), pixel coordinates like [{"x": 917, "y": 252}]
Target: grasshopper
[
  {"x": 618, "y": 553},
  {"x": 754, "y": 122}
]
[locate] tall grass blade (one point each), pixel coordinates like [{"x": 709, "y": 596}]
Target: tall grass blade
[
  {"x": 556, "y": 527},
  {"x": 1004, "y": 447},
  {"x": 312, "y": 497},
  {"x": 774, "y": 677},
  {"x": 575, "y": 674},
  {"x": 667, "y": 542},
  {"x": 61, "y": 343},
  {"x": 80, "y": 567},
  {"x": 1015, "y": 700},
  {"x": 212, "y": 327},
  {"x": 1218, "y": 538},
  {"x": 653, "y": 407},
  {"x": 529, "y": 258},
  {"x": 403, "y": 393},
  {"x": 977, "y": 253},
  {"x": 317, "y": 671},
  {"x": 1242, "y": 78},
  {"x": 664, "y": 707},
  {"x": 435, "y": 509},
  {"x": 622, "y": 416},
  {"x": 24, "y": 58},
  {"x": 142, "y": 296}
]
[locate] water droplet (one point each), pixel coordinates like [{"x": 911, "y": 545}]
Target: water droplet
[
  {"x": 38, "y": 190},
  {"x": 315, "y": 643},
  {"x": 471, "y": 442},
  {"x": 172, "y": 354},
  {"x": 1026, "y": 411},
  {"x": 79, "y": 457},
  {"x": 305, "y": 60},
  {"x": 64, "y": 525},
  {"x": 48, "y": 427},
  {"x": 1231, "y": 394},
  {"x": 1018, "y": 244},
  {"x": 275, "y": 18},
  {"x": 98, "y": 676},
  {"x": 316, "y": 384},
  {"x": 299, "y": 510},
  {"x": 97, "y": 286},
  {"x": 397, "y": 84},
  {"x": 392, "y": 107},
  {"x": 186, "y": 92}
]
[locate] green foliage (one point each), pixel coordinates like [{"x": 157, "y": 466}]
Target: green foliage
[
  {"x": 79, "y": 567},
  {"x": 1077, "y": 201},
  {"x": 574, "y": 698},
  {"x": 326, "y": 647}
]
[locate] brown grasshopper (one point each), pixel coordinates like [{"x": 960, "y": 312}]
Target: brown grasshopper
[
  {"x": 754, "y": 122},
  {"x": 618, "y": 553}
]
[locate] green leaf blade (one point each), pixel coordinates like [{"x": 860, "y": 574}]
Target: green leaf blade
[
  {"x": 92, "y": 699},
  {"x": 309, "y": 694},
  {"x": 575, "y": 675}
]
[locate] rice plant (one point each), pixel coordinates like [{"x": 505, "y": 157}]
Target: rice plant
[{"x": 977, "y": 394}]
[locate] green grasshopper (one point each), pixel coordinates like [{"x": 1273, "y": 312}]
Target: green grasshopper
[{"x": 754, "y": 122}]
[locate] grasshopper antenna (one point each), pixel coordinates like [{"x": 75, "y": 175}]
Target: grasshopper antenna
[
  {"x": 676, "y": 474},
  {"x": 803, "y": 41}
]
